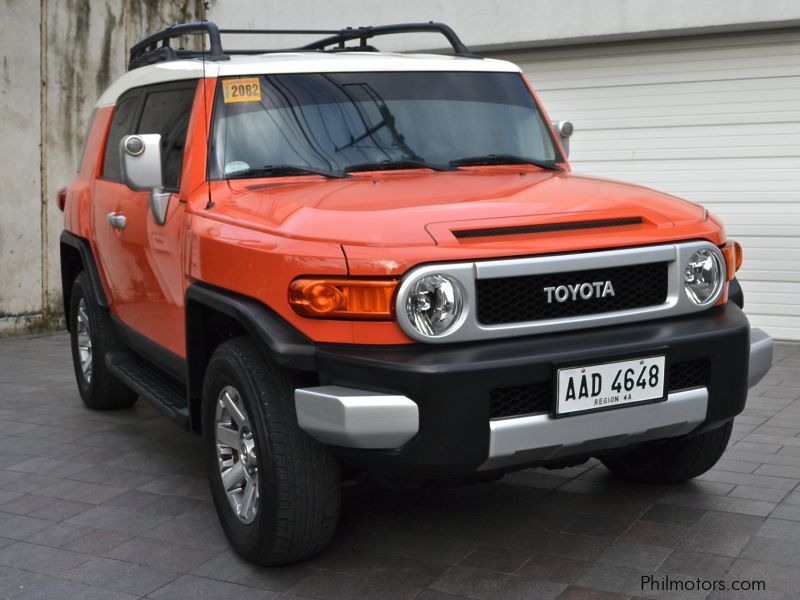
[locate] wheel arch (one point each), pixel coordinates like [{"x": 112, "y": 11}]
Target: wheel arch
[
  {"x": 76, "y": 256},
  {"x": 214, "y": 316}
]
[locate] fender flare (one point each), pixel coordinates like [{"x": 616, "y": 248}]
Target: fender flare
[
  {"x": 70, "y": 245},
  {"x": 276, "y": 338}
]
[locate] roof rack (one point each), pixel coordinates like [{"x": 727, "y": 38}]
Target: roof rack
[{"x": 149, "y": 51}]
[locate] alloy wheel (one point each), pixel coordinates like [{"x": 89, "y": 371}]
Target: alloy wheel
[
  {"x": 236, "y": 454},
  {"x": 84, "y": 338}
]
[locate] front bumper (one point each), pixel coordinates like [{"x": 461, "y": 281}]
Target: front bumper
[{"x": 426, "y": 413}]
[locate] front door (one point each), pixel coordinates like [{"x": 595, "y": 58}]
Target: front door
[{"x": 142, "y": 260}]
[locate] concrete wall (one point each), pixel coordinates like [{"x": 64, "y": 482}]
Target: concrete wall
[
  {"x": 20, "y": 242},
  {"x": 56, "y": 56}
]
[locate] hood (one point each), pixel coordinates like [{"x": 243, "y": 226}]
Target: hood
[{"x": 413, "y": 208}]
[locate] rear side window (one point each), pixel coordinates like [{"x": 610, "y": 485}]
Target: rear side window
[
  {"x": 122, "y": 124},
  {"x": 167, "y": 111}
]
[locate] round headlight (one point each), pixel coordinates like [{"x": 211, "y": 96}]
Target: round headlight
[
  {"x": 702, "y": 276},
  {"x": 434, "y": 304}
]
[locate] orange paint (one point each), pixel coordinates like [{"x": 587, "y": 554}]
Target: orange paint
[{"x": 257, "y": 236}]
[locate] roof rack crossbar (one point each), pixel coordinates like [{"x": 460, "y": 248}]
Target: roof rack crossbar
[
  {"x": 364, "y": 33},
  {"x": 149, "y": 51}
]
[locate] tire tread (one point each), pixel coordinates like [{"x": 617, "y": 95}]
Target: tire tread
[{"x": 672, "y": 460}]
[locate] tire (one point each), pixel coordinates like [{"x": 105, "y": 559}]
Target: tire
[
  {"x": 298, "y": 479},
  {"x": 98, "y": 388},
  {"x": 672, "y": 460}
]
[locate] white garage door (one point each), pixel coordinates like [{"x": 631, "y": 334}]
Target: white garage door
[{"x": 713, "y": 120}]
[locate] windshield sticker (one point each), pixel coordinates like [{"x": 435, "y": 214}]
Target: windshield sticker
[{"x": 241, "y": 90}]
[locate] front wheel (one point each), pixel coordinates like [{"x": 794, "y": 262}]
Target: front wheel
[
  {"x": 275, "y": 489},
  {"x": 673, "y": 460}
]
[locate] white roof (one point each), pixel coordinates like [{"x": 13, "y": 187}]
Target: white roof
[{"x": 297, "y": 62}]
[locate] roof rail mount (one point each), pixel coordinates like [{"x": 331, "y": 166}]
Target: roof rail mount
[{"x": 156, "y": 47}]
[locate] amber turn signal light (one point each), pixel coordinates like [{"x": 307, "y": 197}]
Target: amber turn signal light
[
  {"x": 732, "y": 251},
  {"x": 343, "y": 298}
]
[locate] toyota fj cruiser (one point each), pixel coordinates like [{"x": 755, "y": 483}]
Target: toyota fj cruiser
[{"x": 331, "y": 256}]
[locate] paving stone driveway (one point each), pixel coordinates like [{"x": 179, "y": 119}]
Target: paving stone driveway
[{"x": 115, "y": 506}]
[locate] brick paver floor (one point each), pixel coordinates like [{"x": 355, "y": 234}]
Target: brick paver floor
[{"x": 114, "y": 505}]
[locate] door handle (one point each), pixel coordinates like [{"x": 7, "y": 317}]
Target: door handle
[{"x": 117, "y": 221}]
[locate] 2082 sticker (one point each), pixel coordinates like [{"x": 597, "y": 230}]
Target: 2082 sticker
[{"x": 241, "y": 90}]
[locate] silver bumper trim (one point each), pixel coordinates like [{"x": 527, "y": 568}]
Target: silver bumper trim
[
  {"x": 760, "y": 356},
  {"x": 540, "y": 437},
  {"x": 355, "y": 418}
]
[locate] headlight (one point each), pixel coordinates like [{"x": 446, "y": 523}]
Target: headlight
[
  {"x": 434, "y": 303},
  {"x": 702, "y": 276}
]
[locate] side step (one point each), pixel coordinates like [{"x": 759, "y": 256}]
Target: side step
[{"x": 159, "y": 389}]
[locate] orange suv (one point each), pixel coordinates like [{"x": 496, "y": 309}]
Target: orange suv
[{"x": 333, "y": 257}]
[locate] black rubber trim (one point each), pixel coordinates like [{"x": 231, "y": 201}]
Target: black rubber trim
[
  {"x": 287, "y": 345},
  {"x": 274, "y": 336},
  {"x": 545, "y": 228},
  {"x": 71, "y": 266},
  {"x": 82, "y": 246}
]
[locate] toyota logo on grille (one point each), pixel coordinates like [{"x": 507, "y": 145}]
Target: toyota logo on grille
[{"x": 574, "y": 291}]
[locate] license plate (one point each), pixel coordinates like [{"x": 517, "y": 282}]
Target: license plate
[{"x": 609, "y": 385}]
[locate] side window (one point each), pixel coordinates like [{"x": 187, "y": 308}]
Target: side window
[
  {"x": 122, "y": 124},
  {"x": 167, "y": 111}
]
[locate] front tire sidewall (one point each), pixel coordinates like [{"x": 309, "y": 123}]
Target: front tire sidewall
[{"x": 246, "y": 538}]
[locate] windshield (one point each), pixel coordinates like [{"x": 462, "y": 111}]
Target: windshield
[{"x": 330, "y": 123}]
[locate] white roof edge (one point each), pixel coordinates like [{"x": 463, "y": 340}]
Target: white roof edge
[{"x": 297, "y": 62}]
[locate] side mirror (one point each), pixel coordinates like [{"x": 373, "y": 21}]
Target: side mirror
[
  {"x": 564, "y": 129},
  {"x": 140, "y": 166}
]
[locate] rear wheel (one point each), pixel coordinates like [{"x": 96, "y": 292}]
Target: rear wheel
[
  {"x": 92, "y": 336},
  {"x": 276, "y": 490},
  {"x": 672, "y": 460}
]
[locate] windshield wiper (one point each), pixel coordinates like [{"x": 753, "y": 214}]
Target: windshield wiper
[
  {"x": 504, "y": 159},
  {"x": 404, "y": 163},
  {"x": 278, "y": 170}
]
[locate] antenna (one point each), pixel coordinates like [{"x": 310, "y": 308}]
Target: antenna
[{"x": 210, "y": 203}]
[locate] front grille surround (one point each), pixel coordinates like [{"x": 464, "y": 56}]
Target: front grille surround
[{"x": 468, "y": 274}]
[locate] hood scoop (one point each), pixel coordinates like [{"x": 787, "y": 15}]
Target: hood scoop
[{"x": 544, "y": 228}]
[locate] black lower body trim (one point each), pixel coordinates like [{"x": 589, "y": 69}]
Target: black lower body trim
[
  {"x": 452, "y": 385},
  {"x": 152, "y": 384}
]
